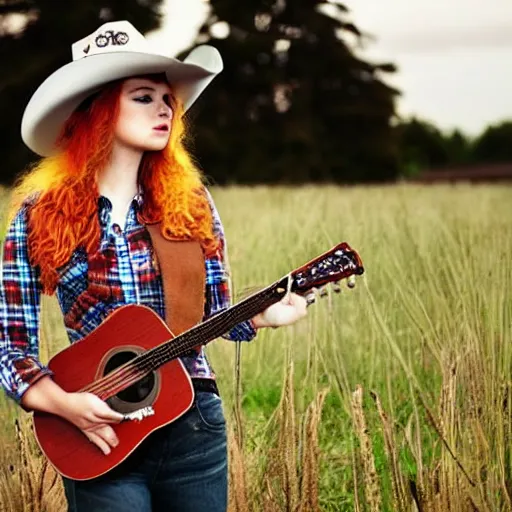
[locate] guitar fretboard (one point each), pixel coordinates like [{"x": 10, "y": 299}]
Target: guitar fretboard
[{"x": 212, "y": 328}]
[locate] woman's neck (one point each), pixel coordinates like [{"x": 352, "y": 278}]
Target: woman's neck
[{"x": 118, "y": 181}]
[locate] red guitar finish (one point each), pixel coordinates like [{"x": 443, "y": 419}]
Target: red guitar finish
[
  {"x": 69, "y": 450},
  {"x": 130, "y": 361}
]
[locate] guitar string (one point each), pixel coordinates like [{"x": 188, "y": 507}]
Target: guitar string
[
  {"x": 289, "y": 285},
  {"x": 103, "y": 385},
  {"x": 129, "y": 371},
  {"x": 128, "y": 375},
  {"x": 132, "y": 372},
  {"x": 163, "y": 353},
  {"x": 120, "y": 379},
  {"x": 160, "y": 354},
  {"x": 124, "y": 376},
  {"x": 126, "y": 371}
]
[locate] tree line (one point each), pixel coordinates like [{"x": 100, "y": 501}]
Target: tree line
[
  {"x": 424, "y": 147},
  {"x": 295, "y": 103}
]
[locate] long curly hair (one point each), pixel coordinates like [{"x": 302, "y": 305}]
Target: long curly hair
[{"x": 63, "y": 190}]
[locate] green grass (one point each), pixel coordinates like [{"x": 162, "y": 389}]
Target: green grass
[{"x": 436, "y": 293}]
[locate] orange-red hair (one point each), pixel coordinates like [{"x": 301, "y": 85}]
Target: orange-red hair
[{"x": 64, "y": 215}]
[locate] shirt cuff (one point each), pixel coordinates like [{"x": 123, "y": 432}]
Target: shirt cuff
[
  {"x": 244, "y": 331},
  {"x": 29, "y": 371}
]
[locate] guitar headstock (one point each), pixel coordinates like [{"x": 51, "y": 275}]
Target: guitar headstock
[{"x": 339, "y": 263}]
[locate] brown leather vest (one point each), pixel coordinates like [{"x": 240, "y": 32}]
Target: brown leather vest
[{"x": 182, "y": 268}]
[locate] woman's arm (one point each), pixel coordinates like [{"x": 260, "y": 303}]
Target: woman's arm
[
  {"x": 23, "y": 376},
  {"x": 20, "y": 294}
]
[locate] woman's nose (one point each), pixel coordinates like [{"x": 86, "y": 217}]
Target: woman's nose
[{"x": 165, "y": 111}]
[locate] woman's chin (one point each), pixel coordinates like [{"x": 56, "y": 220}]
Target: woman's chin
[{"x": 154, "y": 145}]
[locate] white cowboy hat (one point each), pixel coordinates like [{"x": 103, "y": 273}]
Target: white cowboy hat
[{"x": 116, "y": 50}]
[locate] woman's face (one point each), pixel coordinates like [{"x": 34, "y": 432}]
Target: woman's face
[{"x": 145, "y": 115}]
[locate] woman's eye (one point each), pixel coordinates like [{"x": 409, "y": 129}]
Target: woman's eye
[{"x": 144, "y": 99}]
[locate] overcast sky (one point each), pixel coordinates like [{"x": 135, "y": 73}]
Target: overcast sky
[{"x": 454, "y": 56}]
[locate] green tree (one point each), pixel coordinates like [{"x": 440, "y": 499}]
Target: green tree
[
  {"x": 422, "y": 146},
  {"x": 30, "y": 55},
  {"x": 459, "y": 148},
  {"x": 495, "y": 144},
  {"x": 294, "y": 103}
]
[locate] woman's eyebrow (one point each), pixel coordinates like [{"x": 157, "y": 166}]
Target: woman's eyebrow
[{"x": 144, "y": 87}]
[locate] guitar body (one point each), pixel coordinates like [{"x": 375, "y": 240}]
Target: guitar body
[
  {"x": 149, "y": 398},
  {"x": 168, "y": 392}
]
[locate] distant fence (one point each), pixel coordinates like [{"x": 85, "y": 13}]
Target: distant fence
[{"x": 474, "y": 173}]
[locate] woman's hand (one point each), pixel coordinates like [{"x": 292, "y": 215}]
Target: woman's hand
[
  {"x": 285, "y": 312},
  {"x": 93, "y": 417},
  {"x": 86, "y": 411}
]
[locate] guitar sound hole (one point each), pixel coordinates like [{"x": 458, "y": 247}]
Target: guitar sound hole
[{"x": 138, "y": 391}]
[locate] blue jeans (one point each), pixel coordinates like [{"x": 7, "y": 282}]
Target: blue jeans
[{"x": 180, "y": 467}]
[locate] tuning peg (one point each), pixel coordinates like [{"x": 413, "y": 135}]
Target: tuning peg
[
  {"x": 351, "y": 281},
  {"x": 336, "y": 288},
  {"x": 323, "y": 292}
]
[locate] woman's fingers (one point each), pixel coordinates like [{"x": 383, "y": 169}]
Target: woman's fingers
[
  {"x": 293, "y": 308},
  {"x": 299, "y": 303},
  {"x": 102, "y": 411},
  {"x": 108, "y": 415},
  {"x": 103, "y": 436},
  {"x": 108, "y": 434},
  {"x": 98, "y": 441}
]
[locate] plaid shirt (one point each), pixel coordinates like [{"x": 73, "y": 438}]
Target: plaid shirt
[{"x": 90, "y": 287}]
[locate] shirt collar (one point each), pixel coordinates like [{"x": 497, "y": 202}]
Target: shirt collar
[{"x": 105, "y": 207}]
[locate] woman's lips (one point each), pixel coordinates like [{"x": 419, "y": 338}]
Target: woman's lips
[{"x": 161, "y": 128}]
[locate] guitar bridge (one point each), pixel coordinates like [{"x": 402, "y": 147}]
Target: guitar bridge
[{"x": 139, "y": 414}]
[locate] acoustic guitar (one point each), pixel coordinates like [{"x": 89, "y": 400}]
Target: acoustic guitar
[{"x": 131, "y": 362}]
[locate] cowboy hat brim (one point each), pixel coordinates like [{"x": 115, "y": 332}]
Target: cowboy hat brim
[{"x": 63, "y": 91}]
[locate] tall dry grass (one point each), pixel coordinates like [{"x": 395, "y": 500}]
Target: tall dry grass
[
  {"x": 27, "y": 482},
  {"x": 417, "y": 358}
]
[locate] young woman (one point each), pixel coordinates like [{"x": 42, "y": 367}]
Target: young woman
[{"x": 109, "y": 126}]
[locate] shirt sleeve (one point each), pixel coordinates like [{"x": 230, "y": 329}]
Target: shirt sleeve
[
  {"x": 218, "y": 283},
  {"x": 20, "y": 294}
]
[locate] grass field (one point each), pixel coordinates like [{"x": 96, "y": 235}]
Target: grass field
[{"x": 393, "y": 396}]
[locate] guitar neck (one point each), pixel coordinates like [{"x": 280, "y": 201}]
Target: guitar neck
[{"x": 213, "y": 327}]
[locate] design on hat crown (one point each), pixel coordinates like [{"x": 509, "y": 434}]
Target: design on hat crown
[
  {"x": 115, "y": 36},
  {"x": 111, "y": 37}
]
